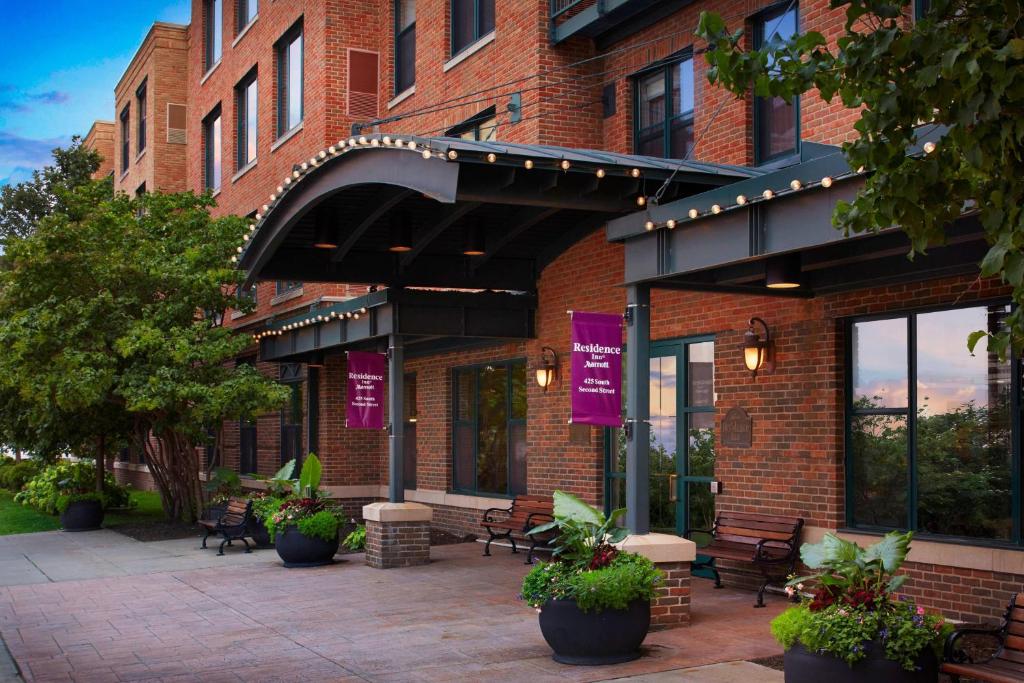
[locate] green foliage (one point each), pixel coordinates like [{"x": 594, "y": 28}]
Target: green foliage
[
  {"x": 224, "y": 484},
  {"x": 104, "y": 340},
  {"x": 323, "y": 525},
  {"x": 281, "y": 484},
  {"x": 14, "y": 474},
  {"x": 64, "y": 501},
  {"x": 581, "y": 528},
  {"x": 626, "y": 578},
  {"x": 44, "y": 491},
  {"x": 356, "y": 539},
  {"x": 960, "y": 71},
  {"x": 18, "y": 519},
  {"x": 264, "y": 508},
  {"x": 843, "y": 631},
  {"x": 309, "y": 478},
  {"x": 853, "y": 603}
]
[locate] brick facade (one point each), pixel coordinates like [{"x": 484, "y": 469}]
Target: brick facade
[
  {"x": 796, "y": 464},
  {"x": 397, "y": 544},
  {"x": 671, "y": 608},
  {"x": 101, "y": 138}
]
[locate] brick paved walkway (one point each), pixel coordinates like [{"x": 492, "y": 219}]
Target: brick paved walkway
[{"x": 456, "y": 619}]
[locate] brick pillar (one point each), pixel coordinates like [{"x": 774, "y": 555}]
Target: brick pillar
[
  {"x": 672, "y": 606},
  {"x": 397, "y": 534},
  {"x": 672, "y": 555}
]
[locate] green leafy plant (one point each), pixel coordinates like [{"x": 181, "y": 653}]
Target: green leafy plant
[
  {"x": 15, "y": 474},
  {"x": 587, "y": 568},
  {"x": 309, "y": 478},
  {"x": 582, "y": 528},
  {"x": 264, "y": 507},
  {"x": 323, "y": 525},
  {"x": 356, "y": 539},
  {"x": 66, "y": 478},
  {"x": 282, "y": 484},
  {"x": 64, "y": 501},
  {"x": 223, "y": 485},
  {"x": 852, "y": 601}
]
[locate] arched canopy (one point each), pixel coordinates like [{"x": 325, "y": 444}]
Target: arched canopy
[{"x": 521, "y": 205}]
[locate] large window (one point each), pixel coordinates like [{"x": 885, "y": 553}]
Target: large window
[
  {"x": 664, "y": 110},
  {"x": 489, "y": 439},
  {"x": 125, "y": 139},
  {"x": 405, "y": 45},
  {"x": 246, "y": 13},
  {"x": 471, "y": 21},
  {"x": 776, "y": 122},
  {"x": 289, "y": 80},
  {"x": 140, "y": 104},
  {"x": 930, "y": 429},
  {"x": 291, "y": 415},
  {"x": 212, "y": 150},
  {"x": 246, "y": 106},
  {"x": 213, "y": 38}
]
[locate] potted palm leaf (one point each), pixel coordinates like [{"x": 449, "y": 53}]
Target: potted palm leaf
[{"x": 594, "y": 600}]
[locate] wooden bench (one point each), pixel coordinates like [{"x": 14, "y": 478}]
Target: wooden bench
[
  {"x": 526, "y": 513},
  {"x": 768, "y": 541},
  {"x": 1006, "y": 665},
  {"x": 232, "y": 525}
]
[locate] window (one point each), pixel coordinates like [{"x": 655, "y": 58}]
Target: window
[
  {"x": 289, "y": 80},
  {"x": 405, "y": 45},
  {"x": 489, "y": 438},
  {"x": 483, "y": 127},
  {"x": 140, "y": 104},
  {"x": 125, "y": 143},
  {"x": 931, "y": 440},
  {"x": 212, "y": 150},
  {"x": 776, "y": 123},
  {"x": 285, "y": 286},
  {"x": 248, "y": 294},
  {"x": 291, "y": 415},
  {"x": 664, "y": 106},
  {"x": 246, "y": 126},
  {"x": 140, "y": 190},
  {"x": 471, "y": 21},
  {"x": 213, "y": 25},
  {"x": 247, "y": 11},
  {"x": 247, "y": 453}
]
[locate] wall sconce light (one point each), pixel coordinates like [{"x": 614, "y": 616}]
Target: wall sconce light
[
  {"x": 757, "y": 352},
  {"x": 547, "y": 371}
]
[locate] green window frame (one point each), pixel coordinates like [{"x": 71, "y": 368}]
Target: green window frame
[
  {"x": 883, "y": 428},
  {"x": 468, "y": 429},
  {"x": 125, "y": 138},
  {"x": 674, "y": 126},
  {"x": 247, "y": 120},
  {"x": 405, "y": 45},
  {"x": 285, "y": 286},
  {"x": 773, "y": 18},
  {"x": 464, "y": 36}
]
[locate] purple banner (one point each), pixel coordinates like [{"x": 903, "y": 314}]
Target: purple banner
[
  {"x": 596, "y": 369},
  {"x": 365, "y": 390}
]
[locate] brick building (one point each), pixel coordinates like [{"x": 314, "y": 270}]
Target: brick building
[
  {"x": 381, "y": 146},
  {"x": 101, "y": 138}
]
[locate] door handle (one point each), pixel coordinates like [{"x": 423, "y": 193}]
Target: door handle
[{"x": 673, "y": 493}]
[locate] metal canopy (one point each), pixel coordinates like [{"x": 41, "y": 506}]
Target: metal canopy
[
  {"x": 725, "y": 239},
  {"x": 531, "y": 202},
  {"x": 431, "y": 319}
]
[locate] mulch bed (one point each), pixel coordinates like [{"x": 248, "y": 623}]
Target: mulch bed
[
  {"x": 770, "y": 662},
  {"x": 161, "y": 530}
]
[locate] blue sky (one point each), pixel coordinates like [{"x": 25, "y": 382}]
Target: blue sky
[{"x": 62, "y": 60}]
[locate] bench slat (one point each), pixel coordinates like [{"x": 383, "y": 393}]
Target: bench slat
[
  {"x": 758, "y": 534},
  {"x": 758, "y": 525}
]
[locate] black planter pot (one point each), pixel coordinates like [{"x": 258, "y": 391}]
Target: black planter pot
[
  {"x": 803, "y": 666},
  {"x": 258, "y": 532},
  {"x": 298, "y": 550},
  {"x": 83, "y": 515},
  {"x": 594, "y": 638}
]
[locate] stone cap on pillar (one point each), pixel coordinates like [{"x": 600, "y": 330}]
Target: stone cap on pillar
[
  {"x": 659, "y": 548},
  {"x": 397, "y": 512}
]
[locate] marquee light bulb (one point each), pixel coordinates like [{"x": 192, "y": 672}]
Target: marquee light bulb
[
  {"x": 492, "y": 157},
  {"x": 767, "y": 194},
  {"x": 741, "y": 199},
  {"x": 362, "y": 139},
  {"x": 635, "y": 173},
  {"x": 795, "y": 184},
  {"x": 641, "y": 200},
  {"x": 528, "y": 164},
  {"x": 929, "y": 147},
  {"x": 716, "y": 209},
  {"x": 649, "y": 225},
  {"x": 426, "y": 154},
  {"x": 826, "y": 181},
  {"x": 387, "y": 139},
  {"x": 565, "y": 164},
  {"x": 375, "y": 143},
  {"x": 412, "y": 145},
  {"x": 671, "y": 223},
  {"x": 693, "y": 213},
  {"x": 453, "y": 155},
  {"x": 600, "y": 173}
]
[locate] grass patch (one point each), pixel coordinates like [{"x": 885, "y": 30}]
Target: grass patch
[
  {"x": 147, "y": 508},
  {"x": 18, "y": 519}
]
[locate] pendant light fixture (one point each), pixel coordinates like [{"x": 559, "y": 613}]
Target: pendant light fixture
[
  {"x": 401, "y": 234},
  {"x": 474, "y": 244}
]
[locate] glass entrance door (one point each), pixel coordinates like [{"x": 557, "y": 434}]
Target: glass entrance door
[{"x": 682, "y": 461}]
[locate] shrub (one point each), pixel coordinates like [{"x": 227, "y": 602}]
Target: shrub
[
  {"x": 64, "y": 478},
  {"x": 223, "y": 485},
  {"x": 322, "y": 525},
  {"x": 356, "y": 540},
  {"x": 264, "y": 506},
  {"x": 15, "y": 474},
  {"x": 627, "y": 577},
  {"x": 298, "y": 512},
  {"x": 64, "y": 501}
]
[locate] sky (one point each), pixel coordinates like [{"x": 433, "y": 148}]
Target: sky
[{"x": 61, "y": 61}]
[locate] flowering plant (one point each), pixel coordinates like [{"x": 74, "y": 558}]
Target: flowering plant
[
  {"x": 306, "y": 509},
  {"x": 586, "y": 567},
  {"x": 852, "y": 602}
]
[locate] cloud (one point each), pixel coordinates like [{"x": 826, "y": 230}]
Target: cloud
[
  {"x": 20, "y": 155},
  {"x": 51, "y": 97},
  {"x": 12, "y": 100}
]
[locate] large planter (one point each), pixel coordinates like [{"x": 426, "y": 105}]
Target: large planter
[
  {"x": 82, "y": 515},
  {"x": 299, "y": 550},
  {"x": 594, "y": 638},
  {"x": 258, "y": 532},
  {"x": 803, "y": 666}
]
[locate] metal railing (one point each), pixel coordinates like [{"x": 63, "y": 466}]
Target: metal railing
[{"x": 560, "y": 7}]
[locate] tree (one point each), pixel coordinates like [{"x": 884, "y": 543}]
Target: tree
[
  {"x": 958, "y": 70},
  {"x": 22, "y": 206},
  {"x": 106, "y": 342}
]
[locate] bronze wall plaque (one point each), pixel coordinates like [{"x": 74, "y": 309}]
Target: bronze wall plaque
[{"x": 737, "y": 429}]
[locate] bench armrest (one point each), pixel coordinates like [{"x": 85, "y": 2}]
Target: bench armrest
[
  {"x": 761, "y": 556},
  {"x": 495, "y": 515},
  {"x": 535, "y": 519},
  {"x": 952, "y": 655}
]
